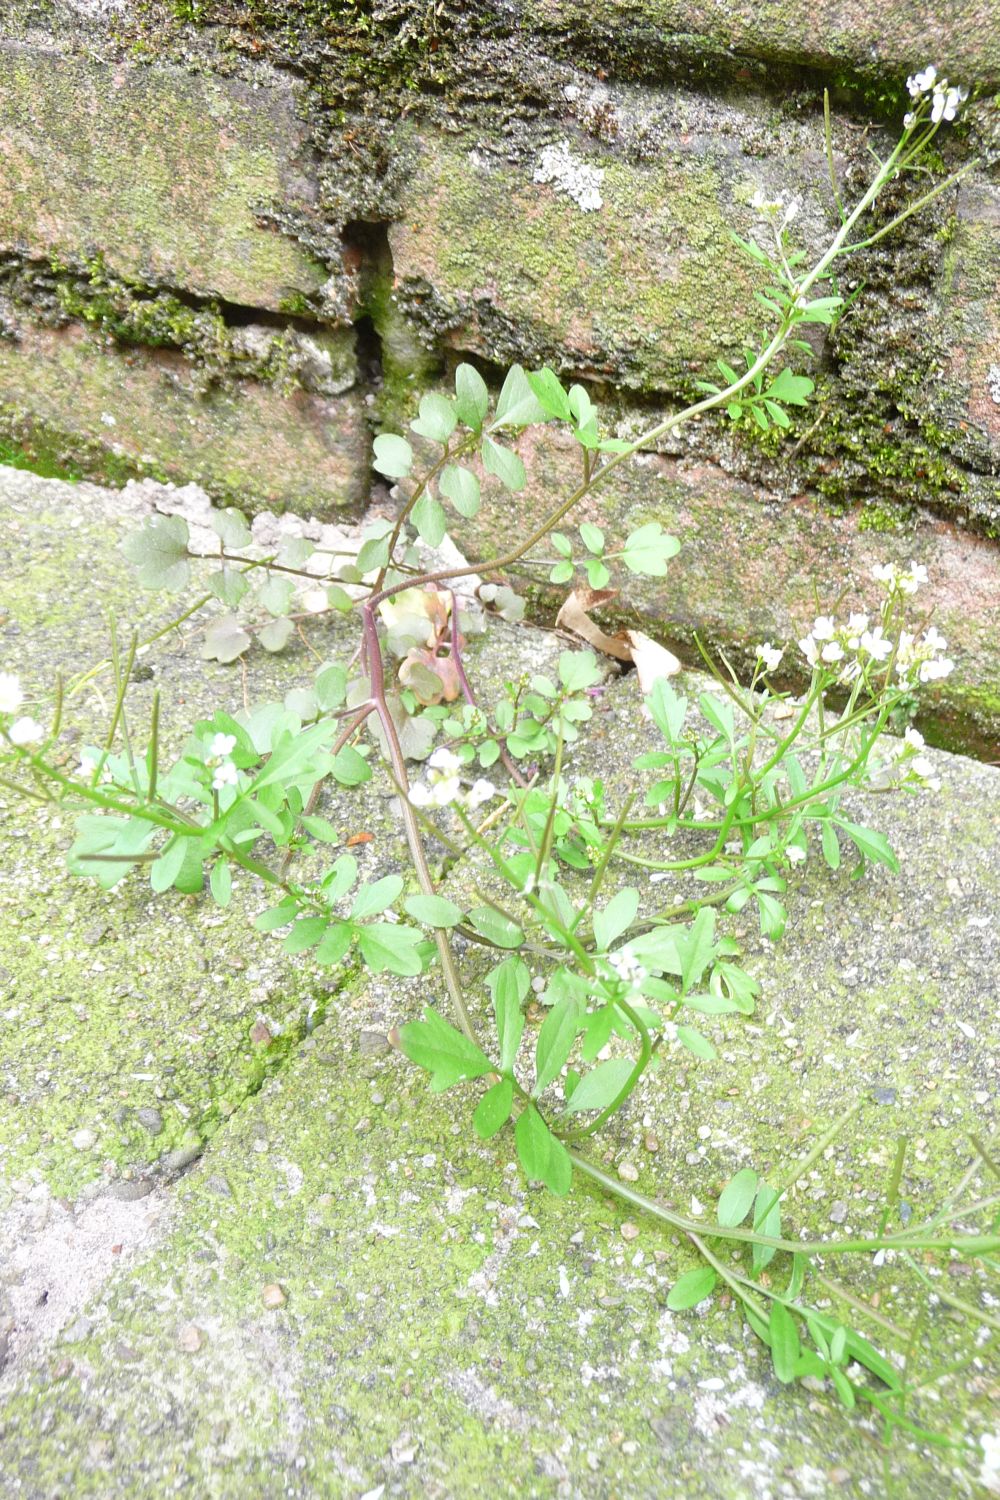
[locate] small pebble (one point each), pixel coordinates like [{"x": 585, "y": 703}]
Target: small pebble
[
  {"x": 150, "y": 1119},
  {"x": 273, "y": 1295},
  {"x": 627, "y": 1172},
  {"x": 629, "y": 1231},
  {"x": 84, "y": 1139},
  {"x": 838, "y": 1212},
  {"x": 190, "y": 1338},
  {"x": 652, "y": 1142}
]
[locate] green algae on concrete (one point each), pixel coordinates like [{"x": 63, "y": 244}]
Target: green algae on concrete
[
  {"x": 437, "y": 1327},
  {"x": 895, "y": 36},
  {"x": 165, "y": 174},
  {"x": 116, "y": 1003},
  {"x": 248, "y": 444},
  {"x": 753, "y": 562},
  {"x": 513, "y": 268}
]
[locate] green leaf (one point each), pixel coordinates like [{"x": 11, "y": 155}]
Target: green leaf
[
  {"x": 602, "y": 1085},
  {"x": 330, "y": 685},
  {"x": 392, "y": 946},
  {"x": 472, "y": 399},
  {"x": 592, "y": 537},
  {"x": 292, "y": 756},
  {"x": 350, "y": 767},
  {"x": 429, "y": 519},
  {"x": 159, "y": 553},
  {"x": 831, "y": 845},
  {"x": 276, "y": 595},
  {"x": 697, "y": 948},
  {"x": 231, "y": 527},
  {"x": 276, "y": 634},
  {"x": 493, "y": 1109},
  {"x": 543, "y": 1157},
  {"x": 649, "y": 549},
  {"x": 461, "y": 487},
  {"x": 221, "y": 882},
  {"x": 737, "y": 1197},
  {"x": 448, "y": 1056},
  {"x": 433, "y": 911},
  {"x": 338, "y": 938},
  {"x": 164, "y": 871},
  {"x": 436, "y": 420},
  {"x": 597, "y": 574},
  {"x": 228, "y": 585},
  {"x": 555, "y": 1041},
  {"x": 517, "y": 404},
  {"x": 506, "y": 465},
  {"x": 509, "y": 983},
  {"x": 376, "y": 897},
  {"x": 339, "y": 878},
  {"x": 873, "y": 846},
  {"x": 767, "y": 1221},
  {"x": 393, "y": 456},
  {"x": 793, "y": 390},
  {"x": 339, "y": 598},
  {"x": 668, "y": 709},
  {"x": 561, "y": 572},
  {"x": 495, "y": 928},
  {"x": 579, "y": 670},
  {"x": 785, "y": 1345},
  {"x": 277, "y": 916},
  {"x": 695, "y": 1043},
  {"x": 618, "y": 915},
  {"x": 692, "y": 1288},
  {"x": 305, "y": 934},
  {"x": 550, "y": 393}
]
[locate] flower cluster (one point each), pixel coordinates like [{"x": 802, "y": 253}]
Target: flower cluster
[
  {"x": 444, "y": 784},
  {"x": 829, "y": 643},
  {"x": 899, "y": 580},
  {"x": 945, "y": 99},
  {"x": 909, "y": 765},
  {"x": 770, "y": 208},
  {"x": 225, "y": 773},
  {"x": 628, "y": 968},
  {"x": 769, "y": 655},
  {"x": 922, "y": 659},
  {"x": 25, "y": 730}
]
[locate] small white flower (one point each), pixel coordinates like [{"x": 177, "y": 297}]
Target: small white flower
[
  {"x": 26, "y": 731},
  {"x": 628, "y": 967},
  {"x": 920, "y": 83},
  {"x": 832, "y": 651},
  {"x": 445, "y": 760},
  {"x": 420, "y": 794},
  {"x": 794, "y": 854},
  {"x": 908, "y": 120},
  {"x": 808, "y": 648},
  {"x": 222, "y": 745},
  {"x": 934, "y": 641},
  {"x": 874, "y": 643},
  {"x": 769, "y": 655},
  {"x": 857, "y": 623},
  {"x": 914, "y": 738},
  {"x": 936, "y": 668},
  {"x": 912, "y": 579},
  {"x": 225, "y": 775},
  {"x": 11, "y": 696},
  {"x": 481, "y": 791},
  {"x": 824, "y": 628},
  {"x": 790, "y": 212}
]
